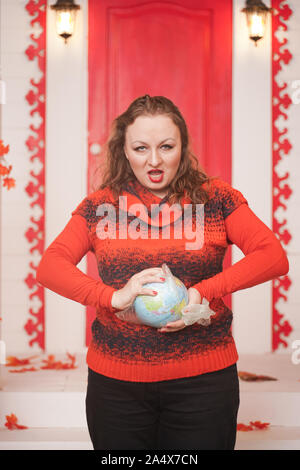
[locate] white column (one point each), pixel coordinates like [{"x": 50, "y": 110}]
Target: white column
[
  {"x": 66, "y": 164},
  {"x": 290, "y": 74},
  {"x": 252, "y": 169}
]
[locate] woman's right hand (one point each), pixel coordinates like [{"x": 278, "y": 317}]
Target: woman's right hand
[{"x": 125, "y": 297}]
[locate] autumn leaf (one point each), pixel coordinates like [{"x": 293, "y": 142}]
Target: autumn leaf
[
  {"x": 243, "y": 427},
  {"x": 12, "y": 422},
  {"x": 13, "y": 361},
  {"x": 252, "y": 426},
  {"x": 3, "y": 149},
  {"x": 259, "y": 424},
  {"x": 71, "y": 365},
  {"x": 4, "y": 170},
  {"x": 51, "y": 363},
  {"x": 9, "y": 183},
  {"x": 24, "y": 369},
  {"x": 248, "y": 377}
]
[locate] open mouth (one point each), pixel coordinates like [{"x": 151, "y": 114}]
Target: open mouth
[{"x": 156, "y": 175}]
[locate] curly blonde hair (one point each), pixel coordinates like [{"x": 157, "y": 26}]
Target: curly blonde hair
[{"x": 117, "y": 171}]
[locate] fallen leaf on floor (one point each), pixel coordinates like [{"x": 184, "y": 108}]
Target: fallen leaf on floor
[
  {"x": 51, "y": 363},
  {"x": 13, "y": 361},
  {"x": 252, "y": 426},
  {"x": 248, "y": 377},
  {"x": 259, "y": 424},
  {"x": 12, "y": 422},
  {"x": 243, "y": 427},
  {"x": 24, "y": 369}
]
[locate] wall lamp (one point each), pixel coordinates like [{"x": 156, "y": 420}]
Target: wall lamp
[
  {"x": 256, "y": 14},
  {"x": 65, "y": 17}
]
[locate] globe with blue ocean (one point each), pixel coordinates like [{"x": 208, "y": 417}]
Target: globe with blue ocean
[{"x": 166, "y": 306}]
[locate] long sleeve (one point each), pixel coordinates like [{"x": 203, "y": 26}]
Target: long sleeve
[
  {"x": 264, "y": 258},
  {"x": 58, "y": 272}
]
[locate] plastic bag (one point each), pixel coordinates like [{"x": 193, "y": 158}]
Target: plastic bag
[
  {"x": 171, "y": 304},
  {"x": 197, "y": 313}
]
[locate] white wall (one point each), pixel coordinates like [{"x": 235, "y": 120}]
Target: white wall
[{"x": 66, "y": 158}]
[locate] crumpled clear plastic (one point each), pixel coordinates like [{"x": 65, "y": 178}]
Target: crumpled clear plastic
[
  {"x": 190, "y": 314},
  {"x": 197, "y": 313}
]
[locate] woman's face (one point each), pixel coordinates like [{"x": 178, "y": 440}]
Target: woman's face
[{"x": 153, "y": 143}]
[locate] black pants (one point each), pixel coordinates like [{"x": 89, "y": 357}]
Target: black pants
[{"x": 198, "y": 413}]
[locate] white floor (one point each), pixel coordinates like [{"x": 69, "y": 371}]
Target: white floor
[{"x": 51, "y": 403}]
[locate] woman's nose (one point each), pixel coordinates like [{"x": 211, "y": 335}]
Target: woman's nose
[{"x": 155, "y": 157}]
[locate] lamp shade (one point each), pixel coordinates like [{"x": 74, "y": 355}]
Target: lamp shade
[
  {"x": 256, "y": 14},
  {"x": 65, "y": 17}
]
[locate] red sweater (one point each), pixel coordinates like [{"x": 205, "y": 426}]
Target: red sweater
[{"x": 140, "y": 353}]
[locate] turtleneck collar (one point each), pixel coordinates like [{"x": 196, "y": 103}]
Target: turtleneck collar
[
  {"x": 150, "y": 205},
  {"x": 144, "y": 194}
]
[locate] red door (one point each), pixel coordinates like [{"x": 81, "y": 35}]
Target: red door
[{"x": 182, "y": 50}]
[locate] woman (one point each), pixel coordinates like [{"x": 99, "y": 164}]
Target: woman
[{"x": 175, "y": 387}]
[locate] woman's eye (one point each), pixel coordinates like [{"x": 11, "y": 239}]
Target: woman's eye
[{"x": 142, "y": 147}]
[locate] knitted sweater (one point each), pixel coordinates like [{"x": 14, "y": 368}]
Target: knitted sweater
[{"x": 131, "y": 352}]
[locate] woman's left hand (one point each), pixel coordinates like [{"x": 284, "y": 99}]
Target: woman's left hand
[{"x": 194, "y": 298}]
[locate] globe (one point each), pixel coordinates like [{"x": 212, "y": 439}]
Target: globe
[{"x": 166, "y": 306}]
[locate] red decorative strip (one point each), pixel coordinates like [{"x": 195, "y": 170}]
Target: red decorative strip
[
  {"x": 281, "y": 147},
  {"x": 35, "y": 234}
]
